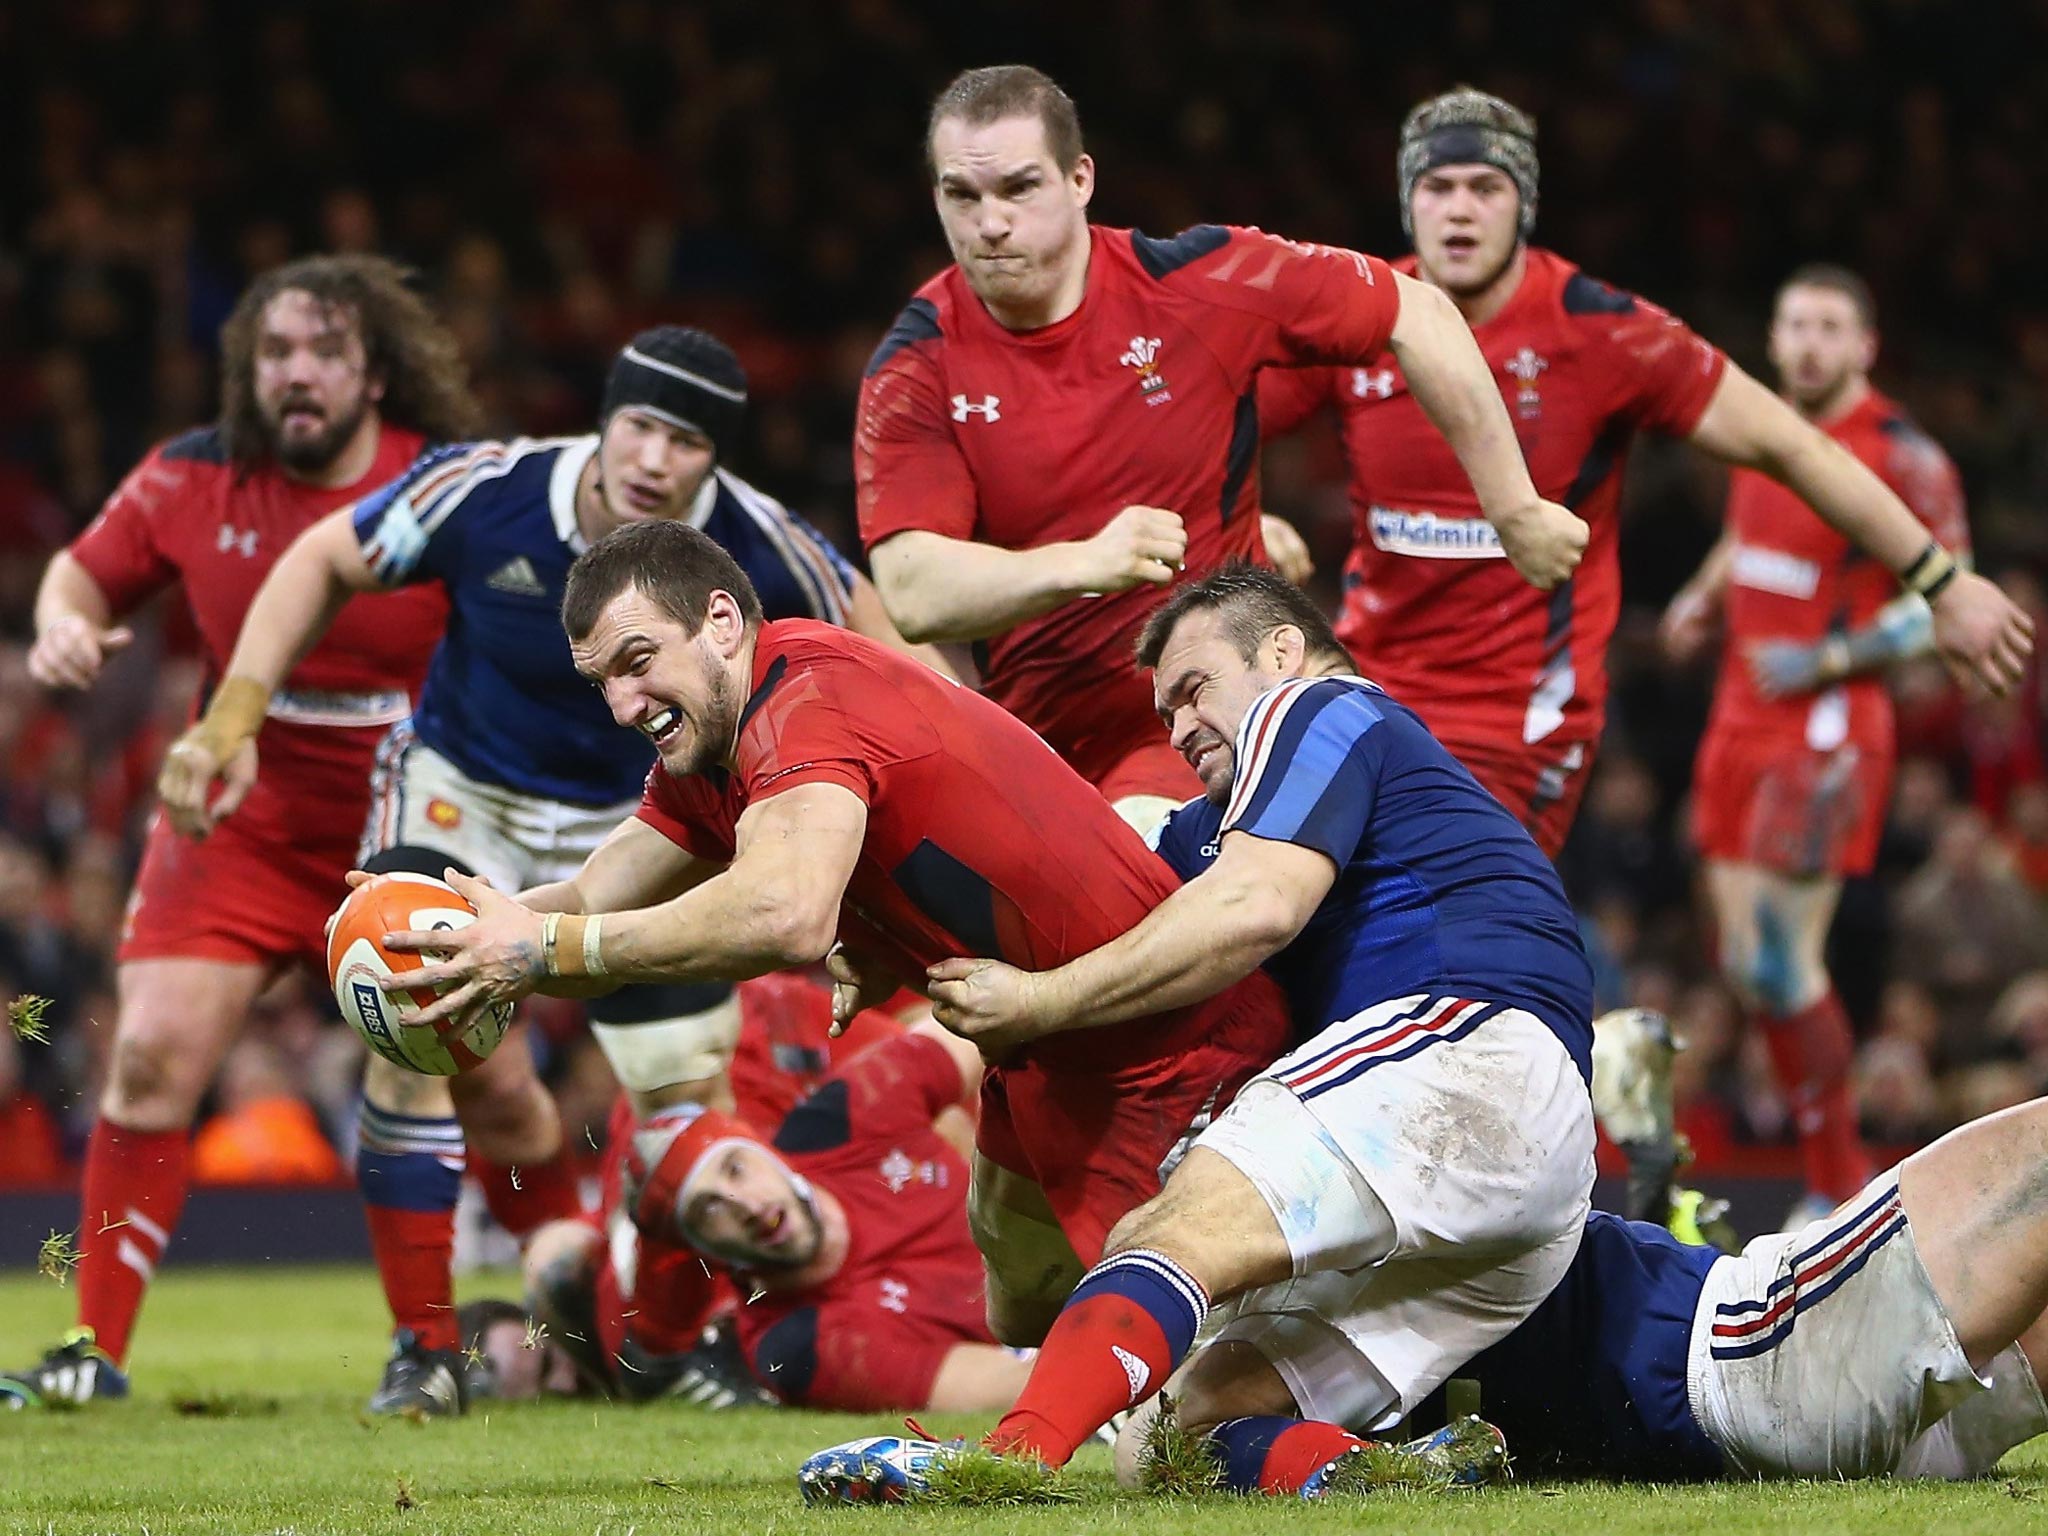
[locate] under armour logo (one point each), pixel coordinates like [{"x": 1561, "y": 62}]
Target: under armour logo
[
  {"x": 986, "y": 409},
  {"x": 242, "y": 540},
  {"x": 1376, "y": 382}
]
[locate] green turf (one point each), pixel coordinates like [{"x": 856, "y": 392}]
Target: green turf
[{"x": 272, "y": 1369}]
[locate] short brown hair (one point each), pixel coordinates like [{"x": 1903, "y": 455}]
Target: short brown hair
[
  {"x": 678, "y": 567},
  {"x": 1253, "y": 602},
  {"x": 426, "y": 384},
  {"x": 979, "y": 97},
  {"x": 1836, "y": 279}
]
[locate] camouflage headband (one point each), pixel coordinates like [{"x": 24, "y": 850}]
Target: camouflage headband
[{"x": 1468, "y": 127}]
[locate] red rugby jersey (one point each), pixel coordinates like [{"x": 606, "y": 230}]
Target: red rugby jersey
[
  {"x": 979, "y": 840},
  {"x": 186, "y": 513},
  {"x": 1433, "y": 611},
  {"x": 1792, "y": 577},
  {"x": 875, "y": 1334},
  {"x": 1144, "y": 395}
]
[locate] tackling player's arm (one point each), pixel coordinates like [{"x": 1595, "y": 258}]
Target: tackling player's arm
[
  {"x": 1216, "y": 929},
  {"x": 1981, "y": 634},
  {"x": 295, "y": 606},
  {"x": 776, "y": 905}
]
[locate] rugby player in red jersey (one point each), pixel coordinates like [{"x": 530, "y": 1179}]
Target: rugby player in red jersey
[
  {"x": 334, "y": 375},
  {"x": 1062, "y": 424},
  {"x": 1794, "y": 774},
  {"x": 1512, "y": 680},
  {"x": 814, "y": 785},
  {"x": 844, "y": 1219}
]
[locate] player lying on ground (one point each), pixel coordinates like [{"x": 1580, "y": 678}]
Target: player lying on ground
[
  {"x": 1903, "y": 1335},
  {"x": 334, "y": 375},
  {"x": 844, "y": 1226},
  {"x": 1061, "y": 424},
  {"x": 812, "y": 784},
  {"x": 512, "y": 768},
  {"x": 1407, "y": 1185},
  {"x": 1583, "y": 368}
]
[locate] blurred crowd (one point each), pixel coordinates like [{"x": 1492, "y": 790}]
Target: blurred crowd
[{"x": 561, "y": 173}]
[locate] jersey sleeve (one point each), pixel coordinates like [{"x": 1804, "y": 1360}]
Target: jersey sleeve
[
  {"x": 411, "y": 528},
  {"x": 1307, "y": 767},
  {"x": 1290, "y": 396},
  {"x": 1926, "y": 480},
  {"x": 1663, "y": 372},
  {"x": 908, "y": 472},
  {"x": 849, "y": 1355},
  {"x": 800, "y": 728},
  {"x": 1312, "y": 303},
  {"x": 1185, "y": 838},
  {"x": 812, "y": 580},
  {"x": 121, "y": 549},
  {"x": 689, "y": 812}
]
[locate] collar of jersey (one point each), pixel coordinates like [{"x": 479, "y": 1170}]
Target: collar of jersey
[{"x": 562, "y": 493}]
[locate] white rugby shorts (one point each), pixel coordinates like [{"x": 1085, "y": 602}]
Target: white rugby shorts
[
  {"x": 1430, "y": 1161},
  {"x": 1826, "y": 1353}
]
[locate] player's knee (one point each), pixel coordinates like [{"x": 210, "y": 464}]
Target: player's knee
[
  {"x": 1017, "y": 1322},
  {"x": 154, "y": 1081},
  {"x": 559, "y": 1269},
  {"x": 506, "y": 1117}
]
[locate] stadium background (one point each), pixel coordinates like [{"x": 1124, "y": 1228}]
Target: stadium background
[{"x": 562, "y": 173}]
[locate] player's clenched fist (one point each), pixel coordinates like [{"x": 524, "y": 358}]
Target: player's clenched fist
[
  {"x": 1982, "y": 634},
  {"x": 1138, "y": 545},
  {"x": 71, "y": 651},
  {"x": 1544, "y": 540}
]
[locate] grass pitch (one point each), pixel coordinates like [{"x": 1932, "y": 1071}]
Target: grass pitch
[{"x": 248, "y": 1419}]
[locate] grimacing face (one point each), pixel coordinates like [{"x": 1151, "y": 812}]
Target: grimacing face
[
  {"x": 1014, "y": 220},
  {"x": 1819, "y": 344},
  {"x": 311, "y": 378},
  {"x": 1203, "y": 688},
  {"x": 671, "y": 686},
  {"x": 746, "y": 1207},
  {"x": 649, "y": 468},
  {"x": 1467, "y": 225}
]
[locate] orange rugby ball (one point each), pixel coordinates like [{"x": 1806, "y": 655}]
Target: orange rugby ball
[{"x": 357, "y": 961}]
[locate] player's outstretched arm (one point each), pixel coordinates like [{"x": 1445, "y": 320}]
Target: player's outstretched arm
[
  {"x": 75, "y": 629},
  {"x": 1217, "y": 929},
  {"x": 293, "y": 608},
  {"x": 1452, "y": 383},
  {"x": 1981, "y": 634},
  {"x": 939, "y": 589}
]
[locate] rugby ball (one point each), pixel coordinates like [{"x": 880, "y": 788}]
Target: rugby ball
[{"x": 357, "y": 960}]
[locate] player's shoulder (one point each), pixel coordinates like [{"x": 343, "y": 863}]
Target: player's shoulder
[
  {"x": 1569, "y": 293},
  {"x": 1897, "y": 425},
  {"x": 922, "y": 324},
  {"x": 202, "y": 447},
  {"x": 1339, "y": 699},
  {"x": 1157, "y": 258}
]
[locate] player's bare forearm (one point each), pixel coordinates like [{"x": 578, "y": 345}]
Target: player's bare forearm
[
  {"x": 1215, "y": 930},
  {"x": 1451, "y": 382},
  {"x": 776, "y": 905},
  {"x": 978, "y": 1378},
  {"x": 299, "y": 600},
  {"x": 68, "y": 590},
  {"x": 938, "y": 589},
  {"x": 866, "y": 614},
  {"x": 1745, "y": 424}
]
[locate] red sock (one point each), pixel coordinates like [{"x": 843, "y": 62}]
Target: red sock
[
  {"x": 135, "y": 1185},
  {"x": 674, "y": 1295},
  {"x": 1811, "y": 1051},
  {"x": 1122, "y": 1332},
  {"x": 1303, "y": 1448},
  {"x": 522, "y": 1198},
  {"x": 415, "y": 1259}
]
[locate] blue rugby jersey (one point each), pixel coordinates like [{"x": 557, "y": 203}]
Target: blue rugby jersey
[
  {"x": 1593, "y": 1383},
  {"x": 495, "y": 523},
  {"x": 1438, "y": 890}
]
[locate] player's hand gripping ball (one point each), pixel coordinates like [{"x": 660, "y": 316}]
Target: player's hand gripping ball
[{"x": 357, "y": 958}]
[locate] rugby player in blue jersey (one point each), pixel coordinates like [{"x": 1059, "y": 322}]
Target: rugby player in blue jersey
[
  {"x": 1406, "y": 1186},
  {"x": 512, "y": 768}
]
